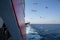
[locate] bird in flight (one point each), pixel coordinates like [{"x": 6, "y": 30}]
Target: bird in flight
[
  {"x": 34, "y": 10},
  {"x": 46, "y": 7}
]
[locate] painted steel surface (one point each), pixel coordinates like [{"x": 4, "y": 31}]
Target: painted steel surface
[{"x": 13, "y": 20}]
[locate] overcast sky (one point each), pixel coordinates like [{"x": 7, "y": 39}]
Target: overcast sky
[{"x": 42, "y": 11}]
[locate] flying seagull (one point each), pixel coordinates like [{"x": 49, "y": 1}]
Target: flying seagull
[
  {"x": 34, "y": 10},
  {"x": 46, "y": 7}
]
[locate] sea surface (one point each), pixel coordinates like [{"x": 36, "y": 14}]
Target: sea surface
[{"x": 46, "y": 31}]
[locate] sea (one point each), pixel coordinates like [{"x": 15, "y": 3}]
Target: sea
[{"x": 46, "y": 31}]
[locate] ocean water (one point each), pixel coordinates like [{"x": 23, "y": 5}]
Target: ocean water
[
  {"x": 46, "y": 28},
  {"x": 46, "y": 31}
]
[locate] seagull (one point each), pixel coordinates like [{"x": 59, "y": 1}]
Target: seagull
[
  {"x": 34, "y": 10},
  {"x": 59, "y": 0},
  {"x": 46, "y": 7},
  {"x": 35, "y": 3}
]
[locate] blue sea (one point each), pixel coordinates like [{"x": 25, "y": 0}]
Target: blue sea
[{"x": 47, "y": 31}]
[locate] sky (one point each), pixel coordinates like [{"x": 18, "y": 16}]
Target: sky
[{"x": 42, "y": 11}]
